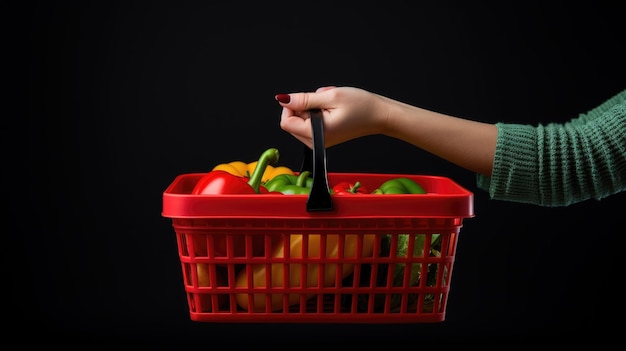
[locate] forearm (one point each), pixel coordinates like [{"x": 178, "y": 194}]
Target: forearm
[{"x": 466, "y": 143}]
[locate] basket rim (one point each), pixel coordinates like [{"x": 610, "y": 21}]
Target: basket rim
[{"x": 443, "y": 198}]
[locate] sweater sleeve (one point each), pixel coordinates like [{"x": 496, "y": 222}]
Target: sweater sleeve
[{"x": 561, "y": 164}]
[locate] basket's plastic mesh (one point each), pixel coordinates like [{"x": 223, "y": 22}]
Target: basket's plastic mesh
[{"x": 345, "y": 270}]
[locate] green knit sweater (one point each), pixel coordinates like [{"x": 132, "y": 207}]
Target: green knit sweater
[{"x": 561, "y": 164}]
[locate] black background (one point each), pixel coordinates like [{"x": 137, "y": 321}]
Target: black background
[{"x": 122, "y": 97}]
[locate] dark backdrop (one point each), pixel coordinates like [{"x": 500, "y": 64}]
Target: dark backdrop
[{"x": 122, "y": 97}]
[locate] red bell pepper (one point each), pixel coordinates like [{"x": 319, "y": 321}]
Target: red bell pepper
[
  {"x": 347, "y": 188},
  {"x": 222, "y": 182}
]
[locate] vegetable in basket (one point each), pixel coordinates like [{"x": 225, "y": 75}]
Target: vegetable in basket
[
  {"x": 347, "y": 188},
  {"x": 402, "y": 250},
  {"x": 296, "y": 243},
  {"x": 204, "y": 280},
  {"x": 223, "y": 182},
  {"x": 399, "y": 185},
  {"x": 291, "y": 184},
  {"x": 242, "y": 169}
]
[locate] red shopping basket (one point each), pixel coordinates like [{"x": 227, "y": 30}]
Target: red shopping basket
[
  {"x": 266, "y": 258},
  {"x": 319, "y": 258}
]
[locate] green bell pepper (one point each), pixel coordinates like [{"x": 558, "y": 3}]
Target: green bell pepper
[
  {"x": 289, "y": 184},
  {"x": 399, "y": 186}
]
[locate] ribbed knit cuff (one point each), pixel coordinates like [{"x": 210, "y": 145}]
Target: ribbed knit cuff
[{"x": 515, "y": 175}]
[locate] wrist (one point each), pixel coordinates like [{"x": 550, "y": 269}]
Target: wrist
[{"x": 394, "y": 118}]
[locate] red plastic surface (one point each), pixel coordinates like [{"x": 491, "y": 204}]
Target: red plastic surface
[
  {"x": 444, "y": 198},
  {"x": 223, "y": 238}
]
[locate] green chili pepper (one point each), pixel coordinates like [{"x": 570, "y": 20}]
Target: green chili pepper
[
  {"x": 399, "y": 186},
  {"x": 289, "y": 184}
]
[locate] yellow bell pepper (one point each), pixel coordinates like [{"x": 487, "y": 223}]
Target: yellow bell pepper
[
  {"x": 292, "y": 279},
  {"x": 242, "y": 169}
]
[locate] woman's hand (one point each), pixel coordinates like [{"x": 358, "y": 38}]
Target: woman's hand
[{"x": 349, "y": 113}]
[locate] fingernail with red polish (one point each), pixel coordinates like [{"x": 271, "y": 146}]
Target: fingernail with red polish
[{"x": 284, "y": 98}]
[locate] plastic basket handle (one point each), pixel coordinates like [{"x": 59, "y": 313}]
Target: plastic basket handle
[{"x": 319, "y": 197}]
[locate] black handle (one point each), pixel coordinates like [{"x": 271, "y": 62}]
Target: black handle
[{"x": 319, "y": 197}]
